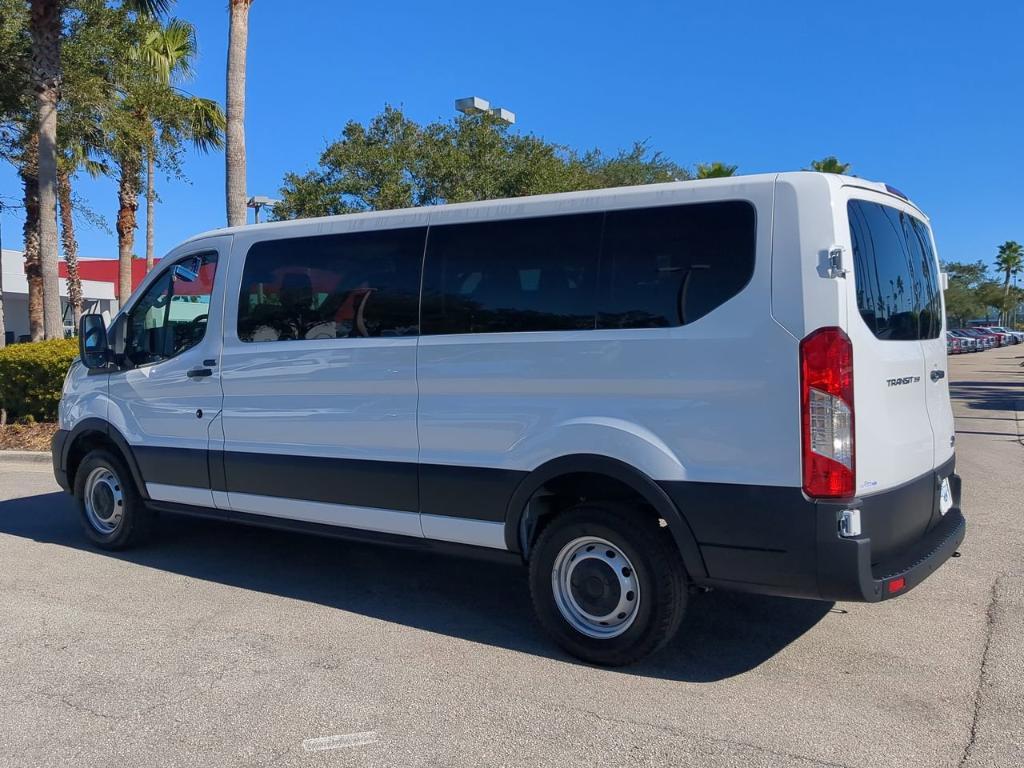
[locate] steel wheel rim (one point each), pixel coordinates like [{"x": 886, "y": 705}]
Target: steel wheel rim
[
  {"x": 104, "y": 500},
  {"x": 595, "y": 587}
]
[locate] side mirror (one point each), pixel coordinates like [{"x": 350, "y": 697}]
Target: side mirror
[
  {"x": 93, "y": 347},
  {"x": 181, "y": 272}
]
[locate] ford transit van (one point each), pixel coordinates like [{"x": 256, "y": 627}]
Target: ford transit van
[{"x": 733, "y": 383}]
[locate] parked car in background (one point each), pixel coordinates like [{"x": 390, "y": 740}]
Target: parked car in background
[
  {"x": 968, "y": 343},
  {"x": 986, "y": 339},
  {"x": 953, "y": 344},
  {"x": 1006, "y": 336}
]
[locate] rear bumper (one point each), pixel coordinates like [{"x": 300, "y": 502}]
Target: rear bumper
[
  {"x": 776, "y": 541},
  {"x": 846, "y": 571}
]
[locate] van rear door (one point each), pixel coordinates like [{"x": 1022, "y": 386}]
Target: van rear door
[
  {"x": 934, "y": 347},
  {"x": 897, "y": 342}
]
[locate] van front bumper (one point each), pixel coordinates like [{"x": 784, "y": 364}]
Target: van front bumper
[
  {"x": 776, "y": 541},
  {"x": 60, "y": 472}
]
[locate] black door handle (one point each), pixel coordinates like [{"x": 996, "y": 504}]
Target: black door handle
[
  {"x": 937, "y": 374},
  {"x": 199, "y": 373}
]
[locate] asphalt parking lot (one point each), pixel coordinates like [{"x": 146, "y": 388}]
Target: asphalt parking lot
[{"x": 228, "y": 646}]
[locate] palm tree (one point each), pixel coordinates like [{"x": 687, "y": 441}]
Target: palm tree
[
  {"x": 45, "y": 25},
  {"x": 830, "y": 164},
  {"x": 715, "y": 170},
  {"x": 45, "y": 29},
  {"x": 170, "y": 50},
  {"x": 68, "y": 163},
  {"x": 238, "y": 40},
  {"x": 28, "y": 169},
  {"x": 152, "y": 113},
  {"x": 1010, "y": 261}
]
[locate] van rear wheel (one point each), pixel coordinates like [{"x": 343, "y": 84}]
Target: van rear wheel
[
  {"x": 112, "y": 511},
  {"x": 608, "y": 584}
]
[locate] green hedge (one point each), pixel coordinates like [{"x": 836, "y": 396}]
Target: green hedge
[{"x": 31, "y": 378}]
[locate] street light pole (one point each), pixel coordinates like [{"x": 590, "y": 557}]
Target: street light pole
[
  {"x": 3, "y": 325},
  {"x": 258, "y": 202}
]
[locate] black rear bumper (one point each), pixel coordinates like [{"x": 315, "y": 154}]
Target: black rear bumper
[
  {"x": 776, "y": 541},
  {"x": 906, "y": 538},
  {"x": 846, "y": 572}
]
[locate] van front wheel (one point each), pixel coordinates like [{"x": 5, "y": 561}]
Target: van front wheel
[
  {"x": 113, "y": 513},
  {"x": 607, "y": 584}
]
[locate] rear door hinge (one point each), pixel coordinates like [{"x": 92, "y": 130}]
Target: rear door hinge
[{"x": 837, "y": 261}]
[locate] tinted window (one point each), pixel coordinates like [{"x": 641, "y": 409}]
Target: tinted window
[
  {"x": 520, "y": 275},
  {"x": 172, "y": 314},
  {"x": 895, "y": 272},
  {"x": 670, "y": 266},
  {"x": 358, "y": 285}
]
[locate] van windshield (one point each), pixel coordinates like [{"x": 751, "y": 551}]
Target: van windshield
[{"x": 895, "y": 272}]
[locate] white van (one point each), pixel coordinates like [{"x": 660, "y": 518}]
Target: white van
[{"x": 734, "y": 383}]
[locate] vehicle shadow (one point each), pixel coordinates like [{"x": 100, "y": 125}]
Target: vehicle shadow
[
  {"x": 988, "y": 395},
  {"x": 479, "y": 600}
]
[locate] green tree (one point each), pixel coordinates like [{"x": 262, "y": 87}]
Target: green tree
[
  {"x": 393, "y": 162},
  {"x": 964, "y": 299},
  {"x": 86, "y": 92},
  {"x": 830, "y": 164},
  {"x": 46, "y": 29},
  {"x": 151, "y": 117},
  {"x": 175, "y": 117},
  {"x": 15, "y": 106},
  {"x": 629, "y": 168},
  {"x": 715, "y": 170},
  {"x": 1009, "y": 261}
]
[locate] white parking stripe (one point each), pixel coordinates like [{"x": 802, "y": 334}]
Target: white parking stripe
[{"x": 337, "y": 742}]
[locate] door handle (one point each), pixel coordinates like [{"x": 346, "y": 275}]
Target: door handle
[
  {"x": 199, "y": 373},
  {"x": 937, "y": 374}
]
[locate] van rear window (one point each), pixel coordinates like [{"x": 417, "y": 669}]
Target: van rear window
[{"x": 895, "y": 272}]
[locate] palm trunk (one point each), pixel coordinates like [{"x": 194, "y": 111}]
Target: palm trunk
[
  {"x": 3, "y": 325},
  {"x": 1005, "y": 314},
  {"x": 238, "y": 39},
  {"x": 128, "y": 205},
  {"x": 150, "y": 205},
  {"x": 70, "y": 244},
  {"x": 33, "y": 269},
  {"x": 46, "y": 32}
]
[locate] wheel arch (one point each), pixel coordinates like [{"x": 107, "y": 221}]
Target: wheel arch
[
  {"x": 521, "y": 515},
  {"x": 95, "y": 432}
]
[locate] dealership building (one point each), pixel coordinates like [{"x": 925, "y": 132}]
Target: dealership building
[{"x": 99, "y": 290}]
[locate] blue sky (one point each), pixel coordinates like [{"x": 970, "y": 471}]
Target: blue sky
[{"x": 924, "y": 95}]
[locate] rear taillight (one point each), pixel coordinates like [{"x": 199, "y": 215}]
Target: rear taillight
[{"x": 826, "y": 398}]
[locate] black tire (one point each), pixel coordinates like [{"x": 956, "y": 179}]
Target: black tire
[
  {"x": 136, "y": 523},
  {"x": 659, "y": 572}
]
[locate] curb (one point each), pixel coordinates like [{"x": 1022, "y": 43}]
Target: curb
[{"x": 26, "y": 457}]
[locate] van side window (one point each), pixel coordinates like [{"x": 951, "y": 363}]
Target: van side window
[
  {"x": 353, "y": 285},
  {"x": 535, "y": 274},
  {"x": 670, "y": 266},
  {"x": 895, "y": 272},
  {"x": 172, "y": 314}
]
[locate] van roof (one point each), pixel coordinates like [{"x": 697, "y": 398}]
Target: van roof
[{"x": 591, "y": 194}]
